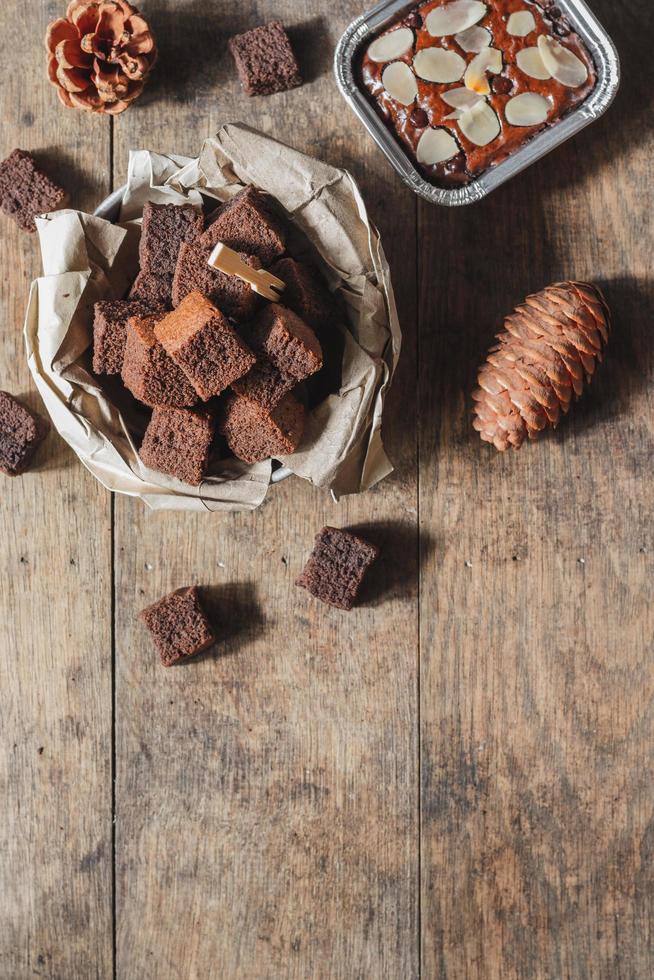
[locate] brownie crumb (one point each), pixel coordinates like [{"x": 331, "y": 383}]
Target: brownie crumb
[
  {"x": 25, "y": 191},
  {"x": 177, "y": 442},
  {"x": 337, "y": 567},
  {"x": 233, "y": 297},
  {"x": 148, "y": 372},
  {"x": 246, "y": 223},
  {"x": 179, "y": 626},
  {"x": 254, "y": 434},
  {"x": 265, "y": 61},
  {"x": 110, "y": 332},
  {"x": 21, "y": 432}
]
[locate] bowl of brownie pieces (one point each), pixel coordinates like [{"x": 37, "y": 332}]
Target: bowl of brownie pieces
[{"x": 208, "y": 390}]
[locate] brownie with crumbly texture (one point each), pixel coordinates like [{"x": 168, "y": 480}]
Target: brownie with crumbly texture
[
  {"x": 153, "y": 289},
  {"x": 264, "y": 384},
  {"x": 337, "y": 567},
  {"x": 305, "y": 294},
  {"x": 109, "y": 332},
  {"x": 179, "y": 626},
  {"x": 203, "y": 344},
  {"x": 21, "y": 433},
  {"x": 164, "y": 229},
  {"x": 148, "y": 372},
  {"x": 25, "y": 191},
  {"x": 286, "y": 341},
  {"x": 254, "y": 434},
  {"x": 246, "y": 223},
  {"x": 177, "y": 442},
  {"x": 264, "y": 60},
  {"x": 233, "y": 297}
]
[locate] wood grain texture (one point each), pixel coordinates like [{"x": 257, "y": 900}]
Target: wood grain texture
[
  {"x": 537, "y": 623},
  {"x": 267, "y": 797},
  {"x": 55, "y": 594}
]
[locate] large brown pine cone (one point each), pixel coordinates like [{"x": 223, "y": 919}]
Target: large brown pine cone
[
  {"x": 99, "y": 55},
  {"x": 551, "y": 344}
]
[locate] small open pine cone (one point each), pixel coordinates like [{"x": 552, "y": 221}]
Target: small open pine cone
[
  {"x": 99, "y": 55},
  {"x": 549, "y": 347}
]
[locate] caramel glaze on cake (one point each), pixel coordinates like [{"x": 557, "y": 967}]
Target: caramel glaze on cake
[{"x": 429, "y": 110}]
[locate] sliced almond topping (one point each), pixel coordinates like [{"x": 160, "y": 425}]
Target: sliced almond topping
[
  {"x": 474, "y": 40},
  {"x": 528, "y": 109},
  {"x": 561, "y": 63},
  {"x": 453, "y": 17},
  {"x": 460, "y": 98},
  {"x": 530, "y": 62},
  {"x": 439, "y": 65},
  {"x": 436, "y": 146},
  {"x": 400, "y": 82},
  {"x": 521, "y": 23},
  {"x": 391, "y": 46},
  {"x": 488, "y": 60},
  {"x": 480, "y": 124}
]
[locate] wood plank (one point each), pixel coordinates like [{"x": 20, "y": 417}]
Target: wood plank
[
  {"x": 55, "y": 596},
  {"x": 267, "y": 798},
  {"x": 536, "y": 612}
]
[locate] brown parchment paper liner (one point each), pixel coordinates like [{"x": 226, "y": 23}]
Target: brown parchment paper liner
[{"x": 86, "y": 258}]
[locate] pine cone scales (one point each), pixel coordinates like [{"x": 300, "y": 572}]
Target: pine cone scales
[
  {"x": 548, "y": 350},
  {"x": 99, "y": 55}
]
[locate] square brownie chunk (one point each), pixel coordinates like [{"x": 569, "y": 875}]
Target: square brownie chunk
[
  {"x": 254, "y": 434},
  {"x": 153, "y": 289},
  {"x": 286, "y": 341},
  {"x": 21, "y": 432},
  {"x": 179, "y": 626},
  {"x": 177, "y": 442},
  {"x": 163, "y": 230},
  {"x": 305, "y": 293},
  {"x": 25, "y": 191},
  {"x": 264, "y": 384},
  {"x": 247, "y": 224},
  {"x": 148, "y": 372},
  {"x": 203, "y": 344},
  {"x": 110, "y": 332},
  {"x": 231, "y": 295},
  {"x": 264, "y": 60},
  {"x": 337, "y": 567}
]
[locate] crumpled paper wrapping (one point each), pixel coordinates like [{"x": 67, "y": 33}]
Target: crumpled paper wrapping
[{"x": 86, "y": 258}]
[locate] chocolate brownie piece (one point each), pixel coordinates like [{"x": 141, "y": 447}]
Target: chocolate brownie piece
[
  {"x": 231, "y": 295},
  {"x": 203, "y": 344},
  {"x": 337, "y": 566},
  {"x": 305, "y": 293},
  {"x": 163, "y": 230},
  {"x": 254, "y": 434},
  {"x": 179, "y": 626},
  {"x": 247, "y": 224},
  {"x": 25, "y": 191},
  {"x": 109, "y": 332},
  {"x": 264, "y": 60},
  {"x": 286, "y": 341},
  {"x": 148, "y": 372},
  {"x": 264, "y": 384},
  {"x": 177, "y": 442},
  {"x": 154, "y": 289},
  {"x": 21, "y": 432}
]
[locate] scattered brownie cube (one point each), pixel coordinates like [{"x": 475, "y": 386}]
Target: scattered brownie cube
[
  {"x": 264, "y": 384},
  {"x": 247, "y": 224},
  {"x": 21, "y": 433},
  {"x": 203, "y": 344},
  {"x": 264, "y": 60},
  {"x": 286, "y": 341},
  {"x": 254, "y": 434},
  {"x": 25, "y": 191},
  {"x": 155, "y": 290},
  {"x": 148, "y": 372},
  {"x": 177, "y": 442},
  {"x": 305, "y": 294},
  {"x": 109, "y": 332},
  {"x": 337, "y": 566},
  {"x": 231, "y": 295},
  {"x": 163, "y": 230},
  {"x": 179, "y": 626}
]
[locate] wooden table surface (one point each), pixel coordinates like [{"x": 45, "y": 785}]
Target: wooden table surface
[{"x": 454, "y": 780}]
